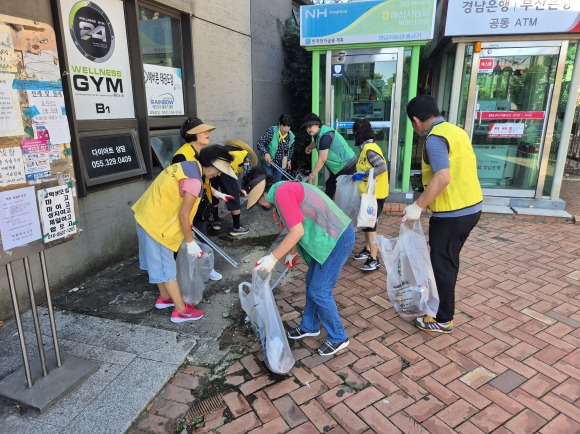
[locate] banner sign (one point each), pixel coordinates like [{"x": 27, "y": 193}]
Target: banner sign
[
  {"x": 509, "y": 115},
  {"x": 507, "y": 17},
  {"x": 507, "y": 130},
  {"x": 96, "y": 45},
  {"x": 367, "y": 21},
  {"x": 164, "y": 90}
]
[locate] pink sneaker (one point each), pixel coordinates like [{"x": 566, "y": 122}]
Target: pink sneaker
[
  {"x": 190, "y": 313},
  {"x": 163, "y": 303}
]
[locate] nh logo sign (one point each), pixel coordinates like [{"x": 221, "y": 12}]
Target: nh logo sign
[{"x": 317, "y": 13}]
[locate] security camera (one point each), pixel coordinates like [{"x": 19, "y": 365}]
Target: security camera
[{"x": 341, "y": 57}]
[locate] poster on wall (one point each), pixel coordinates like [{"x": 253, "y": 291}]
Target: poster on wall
[
  {"x": 164, "y": 90},
  {"x": 35, "y": 150},
  {"x": 98, "y": 56},
  {"x": 57, "y": 212}
]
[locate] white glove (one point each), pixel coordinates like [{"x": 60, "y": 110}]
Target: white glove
[
  {"x": 243, "y": 193},
  {"x": 290, "y": 261},
  {"x": 222, "y": 196},
  {"x": 266, "y": 263},
  {"x": 194, "y": 250},
  {"x": 412, "y": 212}
]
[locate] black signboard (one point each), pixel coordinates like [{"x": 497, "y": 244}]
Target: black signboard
[{"x": 108, "y": 157}]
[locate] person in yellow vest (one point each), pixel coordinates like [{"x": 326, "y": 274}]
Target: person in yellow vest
[
  {"x": 453, "y": 194},
  {"x": 197, "y": 135},
  {"x": 163, "y": 216},
  {"x": 371, "y": 157}
]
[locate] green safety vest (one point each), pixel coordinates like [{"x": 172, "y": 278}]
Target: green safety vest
[
  {"x": 272, "y": 147},
  {"x": 323, "y": 225},
  {"x": 339, "y": 153}
]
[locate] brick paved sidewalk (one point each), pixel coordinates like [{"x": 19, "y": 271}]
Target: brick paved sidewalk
[{"x": 512, "y": 363}]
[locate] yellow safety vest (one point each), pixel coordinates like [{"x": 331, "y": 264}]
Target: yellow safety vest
[
  {"x": 189, "y": 153},
  {"x": 157, "y": 209},
  {"x": 463, "y": 189},
  {"x": 363, "y": 164}
]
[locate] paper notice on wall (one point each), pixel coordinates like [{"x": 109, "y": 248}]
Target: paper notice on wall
[
  {"x": 36, "y": 158},
  {"x": 11, "y": 167},
  {"x": 20, "y": 220},
  {"x": 41, "y": 132},
  {"x": 47, "y": 107},
  {"x": 8, "y": 57},
  {"x": 10, "y": 117},
  {"x": 42, "y": 66},
  {"x": 57, "y": 213}
]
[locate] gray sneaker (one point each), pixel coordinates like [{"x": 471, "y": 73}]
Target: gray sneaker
[
  {"x": 371, "y": 265},
  {"x": 239, "y": 231}
]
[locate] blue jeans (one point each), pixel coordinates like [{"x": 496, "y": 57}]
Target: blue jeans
[
  {"x": 320, "y": 281},
  {"x": 271, "y": 170}
]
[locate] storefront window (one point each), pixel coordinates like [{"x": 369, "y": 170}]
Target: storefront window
[
  {"x": 160, "y": 37},
  {"x": 564, "y": 95},
  {"x": 461, "y": 113},
  {"x": 165, "y": 144}
]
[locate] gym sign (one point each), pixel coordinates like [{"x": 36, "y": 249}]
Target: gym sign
[{"x": 98, "y": 57}]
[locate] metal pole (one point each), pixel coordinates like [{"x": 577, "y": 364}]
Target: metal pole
[
  {"x": 35, "y": 315},
  {"x": 216, "y": 248},
  {"x": 50, "y": 309},
  {"x": 283, "y": 172},
  {"x": 282, "y": 274},
  {"x": 19, "y": 324}
]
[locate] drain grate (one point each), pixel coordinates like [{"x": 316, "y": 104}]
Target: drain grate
[{"x": 204, "y": 407}]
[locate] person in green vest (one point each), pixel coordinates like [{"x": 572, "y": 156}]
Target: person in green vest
[
  {"x": 333, "y": 152},
  {"x": 371, "y": 157},
  {"x": 163, "y": 216},
  {"x": 453, "y": 194},
  {"x": 324, "y": 237},
  {"x": 276, "y": 145}
]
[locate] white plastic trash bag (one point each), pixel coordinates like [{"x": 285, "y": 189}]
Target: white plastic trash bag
[
  {"x": 260, "y": 306},
  {"x": 347, "y": 196},
  {"x": 367, "y": 214},
  {"x": 192, "y": 273},
  {"x": 410, "y": 281}
]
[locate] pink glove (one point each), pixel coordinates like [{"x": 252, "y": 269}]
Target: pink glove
[{"x": 223, "y": 196}]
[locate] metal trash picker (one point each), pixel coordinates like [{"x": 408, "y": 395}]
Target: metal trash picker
[{"x": 215, "y": 247}]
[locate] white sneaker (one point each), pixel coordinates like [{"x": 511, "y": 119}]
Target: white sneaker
[{"x": 214, "y": 275}]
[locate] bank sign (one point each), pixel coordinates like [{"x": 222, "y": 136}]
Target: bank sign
[
  {"x": 509, "y": 17},
  {"x": 164, "y": 90},
  {"x": 366, "y": 22},
  {"x": 96, "y": 47}
]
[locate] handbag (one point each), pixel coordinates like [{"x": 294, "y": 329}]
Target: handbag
[
  {"x": 367, "y": 213},
  {"x": 411, "y": 283},
  {"x": 260, "y": 306}
]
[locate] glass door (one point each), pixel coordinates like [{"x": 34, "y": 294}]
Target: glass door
[
  {"x": 514, "y": 90},
  {"x": 363, "y": 84}
]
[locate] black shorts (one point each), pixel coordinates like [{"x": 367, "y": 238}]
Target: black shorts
[{"x": 228, "y": 185}]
